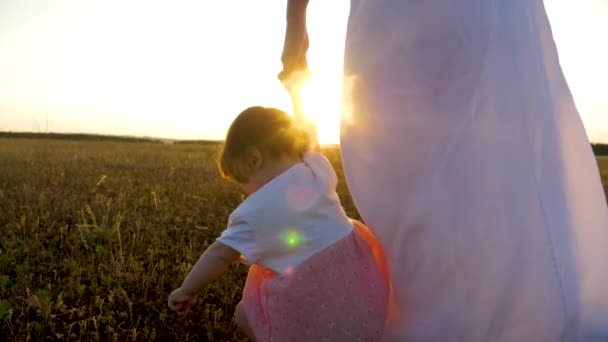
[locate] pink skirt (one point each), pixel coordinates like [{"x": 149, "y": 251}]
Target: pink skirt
[{"x": 340, "y": 294}]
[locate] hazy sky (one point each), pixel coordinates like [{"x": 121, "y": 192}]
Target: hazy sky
[{"x": 184, "y": 69}]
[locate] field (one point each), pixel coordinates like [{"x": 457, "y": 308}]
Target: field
[
  {"x": 95, "y": 235},
  {"x": 603, "y": 162}
]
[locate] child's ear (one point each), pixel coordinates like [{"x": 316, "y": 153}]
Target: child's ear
[{"x": 254, "y": 158}]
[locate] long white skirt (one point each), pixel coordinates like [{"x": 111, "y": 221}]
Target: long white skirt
[{"x": 464, "y": 152}]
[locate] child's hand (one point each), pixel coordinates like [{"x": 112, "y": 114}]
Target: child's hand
[
  {"x": 181, "y": 302},
  {"x": 212, "y": 264}
]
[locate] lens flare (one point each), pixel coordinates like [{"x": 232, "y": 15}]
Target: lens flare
[
  {"x": 292, "y": 238},
  {"x": 317, "y": 100}
]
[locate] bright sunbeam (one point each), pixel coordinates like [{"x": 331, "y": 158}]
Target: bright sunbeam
[
  {"x": 108, "y": 67},
  {"x": 321, "y": 104},
  {"x": 321, "y": 94}
]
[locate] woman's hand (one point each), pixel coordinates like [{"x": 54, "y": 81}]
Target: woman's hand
[
  {"x": 294, "y": 54},
  {"x": 296, "y": 40},
  {"x": 181, "y": 302}
]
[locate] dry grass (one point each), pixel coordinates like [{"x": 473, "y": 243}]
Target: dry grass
[
  {"x": 603, "y": 163},
  {"x": 95, "y": 235}
]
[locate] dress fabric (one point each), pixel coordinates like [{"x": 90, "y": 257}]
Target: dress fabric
[
  {"x": 466, "y": 156},
  {"x": 339, "y": 294}
]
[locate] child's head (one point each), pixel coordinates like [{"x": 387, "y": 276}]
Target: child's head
[{"x": 257, "y": 137}]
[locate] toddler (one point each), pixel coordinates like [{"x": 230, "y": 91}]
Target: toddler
[{"x": 315, "y": 274}]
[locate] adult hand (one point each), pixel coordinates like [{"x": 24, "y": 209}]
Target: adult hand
[
  {"x": 296, "y": 40},
  {"x": 294, "y": 55}
]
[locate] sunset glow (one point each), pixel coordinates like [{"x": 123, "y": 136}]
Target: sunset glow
[{"x": 184, "y": 70}]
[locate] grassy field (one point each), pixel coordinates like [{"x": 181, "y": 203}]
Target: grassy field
[
  {"x": 603, "y": 162},
  {"x": 95, "y": 235}
]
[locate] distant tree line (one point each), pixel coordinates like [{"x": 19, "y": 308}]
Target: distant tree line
[
  {"x": 98, "y": 137},
  {"x": 71, "y": 136},
  {"x": 600, "y": 149}
]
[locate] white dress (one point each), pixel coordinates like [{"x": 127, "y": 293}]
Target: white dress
[{"x": 465, "y": 154}]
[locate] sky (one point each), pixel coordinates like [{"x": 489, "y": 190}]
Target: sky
[{"x": 185, "y": 68}]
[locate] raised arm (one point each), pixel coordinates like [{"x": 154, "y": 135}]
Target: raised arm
[
  {"x": 295, "y": 64},
  {"x": 296, "y": 39}
]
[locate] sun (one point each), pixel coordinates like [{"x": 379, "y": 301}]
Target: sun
[
  {"x": 316, "y": 102},
  {"x": 321, "y": 93},
  {"x": 321, "y": 98}
]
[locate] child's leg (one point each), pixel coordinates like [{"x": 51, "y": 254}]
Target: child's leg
[{"x": 243, "y": 323}]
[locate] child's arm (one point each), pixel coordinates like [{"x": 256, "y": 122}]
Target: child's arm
[{"x": 210, "y": 266}]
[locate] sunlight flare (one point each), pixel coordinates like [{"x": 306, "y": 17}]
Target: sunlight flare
[{"x": 317, "y": 100}]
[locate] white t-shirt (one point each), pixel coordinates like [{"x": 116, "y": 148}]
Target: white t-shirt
[{"x": 291, "y": 218}]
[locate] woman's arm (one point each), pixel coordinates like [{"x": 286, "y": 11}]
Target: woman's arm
[{"x": 296, "y": 39}]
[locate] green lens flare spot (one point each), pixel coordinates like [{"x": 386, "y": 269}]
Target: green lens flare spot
[{"x": 292, "y": 238}]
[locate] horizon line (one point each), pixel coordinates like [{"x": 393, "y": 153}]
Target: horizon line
[
  {"x": 126, "y": 137},
  {"x": 152, "y": 138}
]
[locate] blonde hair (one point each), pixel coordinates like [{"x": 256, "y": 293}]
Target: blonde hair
[{"x": 269, "y": 130}]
